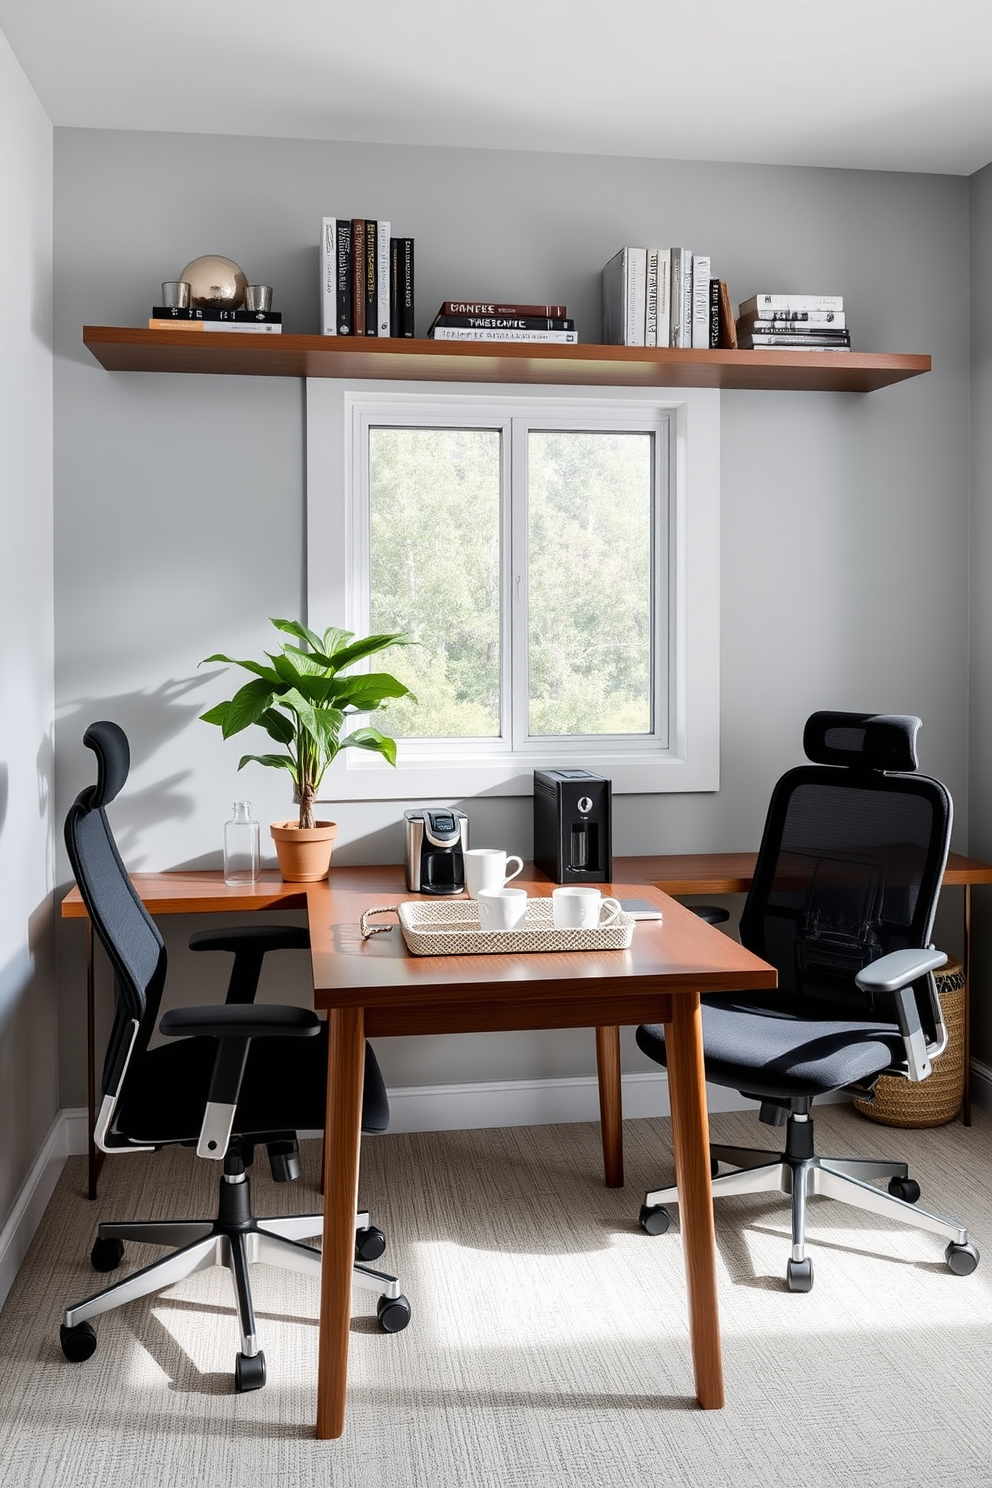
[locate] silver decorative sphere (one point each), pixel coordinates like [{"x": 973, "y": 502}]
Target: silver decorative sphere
[{"x": 215, "y": 283}]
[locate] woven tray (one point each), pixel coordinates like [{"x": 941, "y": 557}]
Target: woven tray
[{"x": 451, "y": 928}]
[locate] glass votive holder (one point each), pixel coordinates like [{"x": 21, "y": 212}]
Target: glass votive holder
[{"x": 258, "y": 297}]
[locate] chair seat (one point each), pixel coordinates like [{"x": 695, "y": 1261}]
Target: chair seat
[
  {"x": 771, "y": 1051},
  {"x": 284, "y": 1089}
]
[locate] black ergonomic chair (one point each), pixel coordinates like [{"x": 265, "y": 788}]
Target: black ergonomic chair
[
  {"x": 842, "y": 904},
  {"x": 228, "y": 1078}
]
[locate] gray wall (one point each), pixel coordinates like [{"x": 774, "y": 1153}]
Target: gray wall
[
  {"x": 28, "y": 1092},
  {"x": 180, "y": 500}
]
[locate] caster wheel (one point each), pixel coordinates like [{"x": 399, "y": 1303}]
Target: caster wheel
[
  {"x": 106, "y": 1255},
  {"x": 369, "y": 1244},
  {"x": 249, "y": 1372},
  {"x": 78, "y": 1343},
  {"x": 653, "y": 1219},
  {"x": 393, "y": 1313},
  {"x": 799, "y": 1276},
  {"x": 906, "y": 1189},
  {"x": 961, "y": 1259}
]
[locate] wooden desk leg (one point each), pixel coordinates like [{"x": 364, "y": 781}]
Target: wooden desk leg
[
  {"x": 966, "y": 967},
  {"x": 610, "y": 1104},
  {"x": 687, "y": 1093},
  {"x": 342, "y": 1136}
]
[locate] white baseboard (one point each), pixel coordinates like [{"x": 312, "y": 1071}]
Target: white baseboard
[{"x": 31, "y": 1202}]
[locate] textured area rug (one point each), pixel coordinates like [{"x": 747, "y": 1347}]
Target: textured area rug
[{"x": 548, "y": 1344}]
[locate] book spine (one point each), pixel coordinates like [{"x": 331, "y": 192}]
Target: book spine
[
  {"x": 253, "y": 328},
  {"x": 345, "y": 292},
  {"x": 714, "y": 326},
  {"x": 465, "y": 333},
  {"x": 328, "y": 277},
  {"x": 651, "y": 299},
  {"x": 614, "y": 299},
  {"x": 395, "y": 318},
  {"x": 842, "y": 341},
  {"x": 761, "y": 302},
  {"x": 382, "y": 278},
  {"x": 675, "y": 309},
  {"x": 506, "y": 322},
  {"x": 358, "y": 276},
  {"x": 485, "y": 307},
  {"x": 728, "y": 326},
  {"x": 797, "y": 319},
  {"x": 371, "y": 295},
  {"x": 637, "y": 276},
  {"x": 665, "y": 297},
  {"x": 212, "y": 313},
  {"x": 407, "y": 325},
  {"x": 699, "y": 336}
]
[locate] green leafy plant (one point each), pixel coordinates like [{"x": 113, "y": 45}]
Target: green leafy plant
[{"x": 302, "y": 700}]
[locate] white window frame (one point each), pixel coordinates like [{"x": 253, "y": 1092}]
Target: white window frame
[{"x": 338, "y": 416}]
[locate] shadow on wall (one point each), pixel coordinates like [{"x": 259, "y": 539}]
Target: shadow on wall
[
  {"x": 4, "y": 794},
  {"x": 149, "y": 719}
]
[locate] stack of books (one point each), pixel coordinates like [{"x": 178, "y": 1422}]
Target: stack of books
[
  {"x": 486, "y": 320},
  {"x": 366, "y": 279},
  {"x": 793, "y": 322},
  {"x": 166, "y": 317},
  {"x": 660, "y": 297}
]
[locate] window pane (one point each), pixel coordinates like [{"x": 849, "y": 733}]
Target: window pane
[
  {"x": 590, "y": 589},
  {"x": 434, "y": 573}
]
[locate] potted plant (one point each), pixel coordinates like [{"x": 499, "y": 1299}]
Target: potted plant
[{"x": 302, "y": 701}]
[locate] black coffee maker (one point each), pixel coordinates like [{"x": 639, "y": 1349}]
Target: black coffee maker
[
  {"x": 436, "y": 839},
  {"x": 573, "y": 826}
]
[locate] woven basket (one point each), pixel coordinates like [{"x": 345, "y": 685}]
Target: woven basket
[{"x": 937, "y": 1100}]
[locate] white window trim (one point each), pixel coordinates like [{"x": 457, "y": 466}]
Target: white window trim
[{"x": 336, "y": 593}]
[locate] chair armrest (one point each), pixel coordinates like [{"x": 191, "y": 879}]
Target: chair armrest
[
  {"x": 250, "y": 945},
  {"x": 232, "y": 1020},
  {"x": 897, "y": 969},
  {"x": 713, "y": 914},
  {"x": 895, "y": 974},
  {"x": 252, "y": 937},
  {"x": 234, "y": 1026}
]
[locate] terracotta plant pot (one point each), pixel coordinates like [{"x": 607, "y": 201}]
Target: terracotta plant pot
[{"x": 304, "y": 853}]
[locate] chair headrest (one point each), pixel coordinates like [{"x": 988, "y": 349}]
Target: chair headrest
[
  {"x": 863, "y": 741},
  {"x": 108, "y": 742}
]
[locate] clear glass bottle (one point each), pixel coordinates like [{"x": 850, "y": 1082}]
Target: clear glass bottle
[{"x": 242, "y": 846}]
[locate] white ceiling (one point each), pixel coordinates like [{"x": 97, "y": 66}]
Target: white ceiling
[{"x": 872, "y": 84}]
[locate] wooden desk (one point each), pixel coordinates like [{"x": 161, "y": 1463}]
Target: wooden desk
[
  {"x": 374, "y": 988},
  {"x": 731, "y": 873}
]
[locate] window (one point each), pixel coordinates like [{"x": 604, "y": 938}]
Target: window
[{"x": 553, "y": 553}]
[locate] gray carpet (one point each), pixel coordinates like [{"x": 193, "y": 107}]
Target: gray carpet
[{"x": 548, "y": 1344}]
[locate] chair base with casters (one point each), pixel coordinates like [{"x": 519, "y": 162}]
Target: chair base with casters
[
  {"x": 799, "y": 1172},
  {"x": 234, "y": 1239}
]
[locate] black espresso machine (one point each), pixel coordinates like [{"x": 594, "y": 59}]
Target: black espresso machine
[
  {"x": 436, "y": 839},
  {"x": 573, "y": 826}
]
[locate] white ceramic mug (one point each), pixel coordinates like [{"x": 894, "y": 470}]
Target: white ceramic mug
[
  {"x": 488, "y": 868},
  {"x": 502, "y": 909},
  {"x": 580, "y": 907}
]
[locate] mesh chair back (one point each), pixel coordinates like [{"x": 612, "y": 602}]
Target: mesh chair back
[
  {"x": 850, "y": 863},
  {"x": 120, "y": 921}
]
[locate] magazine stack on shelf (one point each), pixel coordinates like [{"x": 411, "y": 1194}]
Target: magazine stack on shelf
[
  {"x": 793, "y": 322},
  {"x": 661, "y": 297},
  {"x": 168, "y": 317},
  {"x": 366, "y": 279},
  {"x": 487, "y": 320}
]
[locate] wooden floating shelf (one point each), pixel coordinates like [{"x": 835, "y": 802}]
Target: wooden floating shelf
[{"x": 129, "y": 349}]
